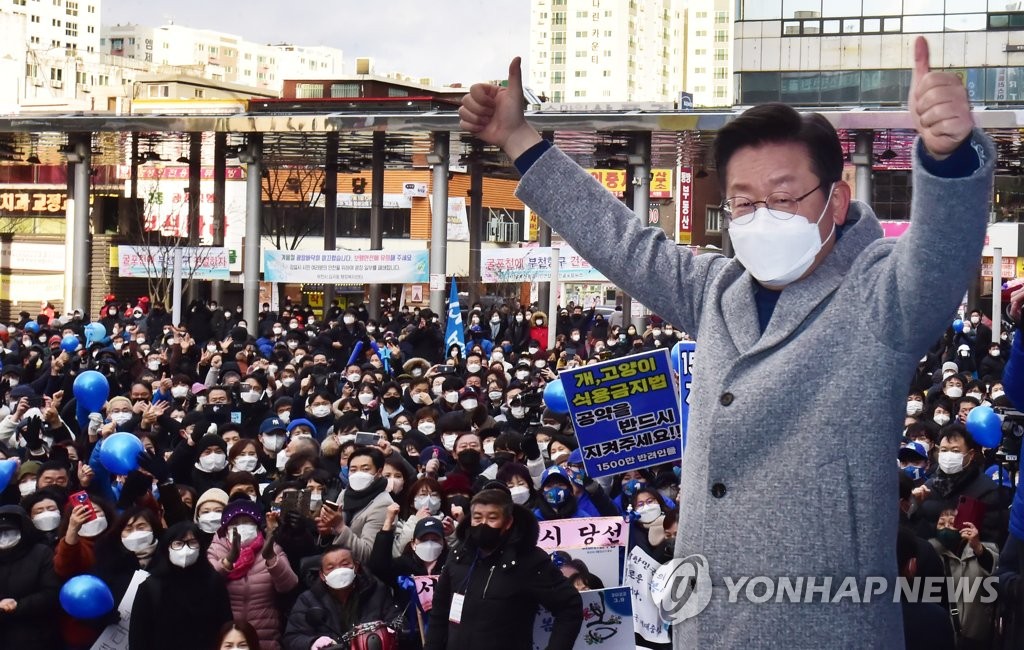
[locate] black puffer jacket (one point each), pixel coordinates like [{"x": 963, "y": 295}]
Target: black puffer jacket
[
  {"x": 317, "y": 614},
  {"x": 502, "y": 591},
  {"x": 26, "y": 575}
]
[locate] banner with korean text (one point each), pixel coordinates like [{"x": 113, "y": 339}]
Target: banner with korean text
[
  {"x": 346, "y": 267},
  {"x": 598, "y": 542},
  {"x": 197, "y": 263},
  {"x": 607, "y": 622},
  {"x": 534, "y": 265},
  {"x": 625, "y": 412}
]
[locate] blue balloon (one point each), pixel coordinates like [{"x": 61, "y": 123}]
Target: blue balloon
[
  {"x": 120, "y": 452},
  {"x": 7, "y": 469},
  {"x": 95, "y": 333},
  {"x": 91, "y": 390},
  {"x": 86, "y": 596},
  {"x": 70, "y": 343},
  {"x": 554, "y": 397},
  {"x": 985, "y": 426},
  {"x": 958, "y": 326}
]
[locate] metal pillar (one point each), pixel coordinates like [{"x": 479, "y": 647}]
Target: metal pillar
[
  {"x": 439, "y": 224},
  {"x": 330, "y": 193},
  {"x": 377, "y": 213},
  {"x": 640, "y": 166},
  {"x": 195, "y": 174},
  {"x": 253, "y": 219},
  {"x": 543, "y": 240},
  {"x": 220, "y": 174},
  {"x": 862, "y": 161},
  {"x": 476, "y": 220},
  {"x": 83, "y": 242},
  {"x": 133, "y": 182}
]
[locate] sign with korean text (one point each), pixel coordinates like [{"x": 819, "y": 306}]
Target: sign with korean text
[
  {"x": 15, "y": 202},
  {"x": 457, "y": 218},
  {"x": 607, "y": 622},
  {"x": 684, "y": 203},
  {"x": 647, "y": 620},
  {"x": 534, "y": 265},
  {"x": 164, "y": 192},
  {"x": 197, "y": 263},
  {"x": 686, "y": 351},
  {"x": 625, "y": 412},
  {"x": 32, "y": 256},
  {"x": 582, "y": 533},
  {"x": 1009, "y": 267},
  {"x": 614, "y": 180},
  {"x": 346, "y": 267},
  {"x": 425, "y": 590},
  {"x": 661, "y": 183}
]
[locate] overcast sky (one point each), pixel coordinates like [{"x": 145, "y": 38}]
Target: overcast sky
[{"x": 447, "y": 40}]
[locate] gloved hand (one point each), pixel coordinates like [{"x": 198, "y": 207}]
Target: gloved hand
[
  {"x": 322, "y": 642},
  {"x": 291, "y": 520},
  {"x": 268, "y": 547},
  {"x": 32, "y": 433},
  {"x": 95, "y": 423},
  {"x": 154, "y": 466},
  {"x": 530, "y": 447},
  {"x": 136, "y": 486}
]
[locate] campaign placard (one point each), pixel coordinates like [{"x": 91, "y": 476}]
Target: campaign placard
[{"x": 625, "y": 412}]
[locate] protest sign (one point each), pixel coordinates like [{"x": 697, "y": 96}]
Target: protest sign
[
  {"x": 686, "y": 351},
  {"x": 582, "y": 532},
  {"x": 425, "y": 590},
  {"x": 607, "y": 622},
  {"x": 346, "y": 267},
  {"x": 625, "y": 412},
  {"x": 647, "y": 620},
  {"x": 197, "y": 263}
]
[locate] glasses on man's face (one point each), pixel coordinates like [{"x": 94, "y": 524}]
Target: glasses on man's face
[
  {"x": 781, "y": 205},
  {"x": 179, "y": 544}
]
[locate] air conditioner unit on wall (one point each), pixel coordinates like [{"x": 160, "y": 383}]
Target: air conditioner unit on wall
[{"x": 56, "y": 83}]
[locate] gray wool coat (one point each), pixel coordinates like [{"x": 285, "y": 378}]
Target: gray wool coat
[{"x": 789, "y": 468}]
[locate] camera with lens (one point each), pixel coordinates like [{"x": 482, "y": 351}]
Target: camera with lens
[{"x": 1008, "y": 452}]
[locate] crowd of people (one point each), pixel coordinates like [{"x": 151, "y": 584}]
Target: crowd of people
[{"x": 292, "y": 481}]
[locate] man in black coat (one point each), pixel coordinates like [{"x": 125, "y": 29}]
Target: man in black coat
[
  {"x": 345, "y": 596},
  {"x": 490, "y": 588}
]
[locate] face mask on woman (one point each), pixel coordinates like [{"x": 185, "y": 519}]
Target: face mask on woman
[
  {"x": 520, "y": 494},
  {"x": 183, "y": 557},
  {"x": 93, "y": 528},
  {"x": 430, "y": 502},
  {"x": 209, "y": 522},
  {"x": 428, "y": 551},
  {"x": 213, "y": 462},
  {"x": 320, "y": 411},
  {"x": 46, "y": 521},
  {"x": 246, "y": 533},
  {"x": 138, "y": 541},
  {"x": 245, "y": 463},
  {"x": 648, "y": 512}
]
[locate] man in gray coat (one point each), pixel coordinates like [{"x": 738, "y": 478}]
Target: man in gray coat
[{"x": 784, "y": 478}]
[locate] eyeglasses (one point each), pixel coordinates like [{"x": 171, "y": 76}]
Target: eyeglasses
[
  {"x": 179, "y": 544},
  {"x": 781, "y": 205}
]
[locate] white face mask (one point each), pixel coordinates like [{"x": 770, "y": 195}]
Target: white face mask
[
  {"x": 405, "y": 427},
  {"x": 941, "y": 419},
  {"x": 138, "y": 541},
  {"x": 340, "y": 578},
  {"x": 27, "y": 488},
  {"x": 120, "y": 418},
  {"x": 184, "y": 557},
  {"x": 292, "y": 345},
  {"x": 472, "y": 368},
  {"x": 46, "y": 521},
  {"x": 153, "y": 365},
  {"x": 495, "y": 395},
  {"x": 448, "y": 440},
  {"x": 431, "y": 503},
  {"x": 354, "y": 378},
  {"x": 469, "y": 404},
  {"x": 926, "y": 444},
  {"x": 951, "y": 462},
  {"x": 777, "y": 252},
  {"x": 282, "y": 460},
  {"x": 284, "y": 416},
  {"x": 273, "y": 442},
  {"x": 210, "y": 522},
  {"x": 518, "y": 412},
  {"x": 178, "y": 392},
  {"x": 428, "y": 551},
  {"x": 288, "y": 382},
  {"x": 213, "y": 462},
  {"x": 365, "y": 398},
  {"x": 954, "y": 392},
  {"x": 451, "y": 397},
  {"x": 395, "y": 484},
  {"x": 359, "y": 481},
  {"x": 320, "y": 411},
  {"x": 250, "y": 396},
  {"x": 540, "y": 363},
  {"x": 522, "y": 374},
  {"x": 9, "y": 539},
  {"x": 914, "y": 407},
  {"x": 427, "y": 428},
  {"x": 520, "y": 494},
  {"x": 648, "y": 513},
  {"x": 977, "y": 396},
  {"x": 245, "y": 463},
  {"x": 246, "y": 533},
  {"x": 348, "y": 320},
  {"x": 93, "y": 528},
  {"x": 996, "y": 394}
]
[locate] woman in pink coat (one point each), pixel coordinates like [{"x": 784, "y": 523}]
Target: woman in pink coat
[{"x": 256, "y": 569}]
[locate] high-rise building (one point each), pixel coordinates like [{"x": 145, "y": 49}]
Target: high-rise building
[
  {"x": 860, "y": 52},
  {"x": 220, "y": 56},
  {"x": 601, "y": 51},
  {"x": 707, "y": 69}
]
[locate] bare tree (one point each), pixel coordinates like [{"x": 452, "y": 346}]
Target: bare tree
[{"x": 293, "y": 185}]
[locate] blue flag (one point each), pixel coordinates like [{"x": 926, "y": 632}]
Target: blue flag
[{"x": 454, "y": 332}]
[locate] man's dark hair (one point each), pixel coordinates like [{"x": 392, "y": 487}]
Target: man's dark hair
[
  {"x": 779, "y": 123},
  {"x": 498, "y": 498},
  {"x": 374, "y": 454},
  {"x": 957, "y": 431}
]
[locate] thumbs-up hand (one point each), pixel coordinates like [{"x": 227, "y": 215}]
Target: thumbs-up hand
[
  {"x": 495, "y": 114},
  {"x": 938, "y": 105}
]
